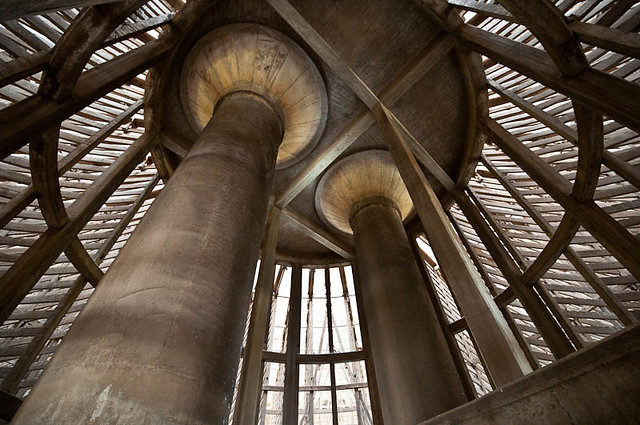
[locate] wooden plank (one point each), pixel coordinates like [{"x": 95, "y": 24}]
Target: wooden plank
[{"x": 612, "y": 39}]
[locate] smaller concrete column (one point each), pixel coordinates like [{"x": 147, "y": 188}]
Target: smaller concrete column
[{"x": 416, "y": 375}]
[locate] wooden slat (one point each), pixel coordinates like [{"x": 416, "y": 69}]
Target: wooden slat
[
  {"x": 611, "y": 234},
  {"x": 16, "y": 282}
]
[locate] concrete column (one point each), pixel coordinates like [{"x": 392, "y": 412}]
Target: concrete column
[
  {"x": 416, "y": 375},
  {"x": 160, "y": 340}
]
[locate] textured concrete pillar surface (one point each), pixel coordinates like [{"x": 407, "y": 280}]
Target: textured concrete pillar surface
[
  {"x": 160, "y": 339},
  {"x": 416, "y": 376}
]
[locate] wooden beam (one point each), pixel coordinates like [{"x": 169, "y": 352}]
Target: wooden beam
[
  {"x": 324, "y": 50},
  {"x": 290, "y": 399},
  {"x": 547, "y": 23},
  {"x": 16, "y": 282},
  {"x": 611, "y": 234},
  {"x": 612, "y": 39},
  {"x": 129, "y": 30},
  {"x": 614, "y": 97},
  {"x": 625, "y": 316},
  {"x": 82, "y": 261},
  {"x": 484, "y": 9},
  {"x": 498, "y": 347},
  {"x": 318, "y": 234},
  {"x": 24, "y": 120},
  {"x": 548, "y": 327},
  {"x": 19, "y": 68},
  {"x": 13, "y": 9},
  {"x": 332, "y": 366}
]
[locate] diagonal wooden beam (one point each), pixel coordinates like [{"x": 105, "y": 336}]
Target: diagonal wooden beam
[
  {"x": 614, "y": 97},
  {"x": 30, "y": 117},
  {"x": 128, "y": 30},
  {"x": 18, "y": 203},
  {"x": 324, "y": 50},
  {"x": 615, "y": 164},
  {"x": 497, "y": 344},
  {"x": 317, "y": 234},
  {"x": 625, "y": 316},
  {"x": 613, "y": 39},
  {"x": 24, "y": 362}
]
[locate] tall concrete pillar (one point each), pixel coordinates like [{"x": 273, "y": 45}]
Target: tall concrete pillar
[
  {"x": 160, "y": 339},
  {"x": 416, "y": 376},
  {"x": 417, "y": 379}
]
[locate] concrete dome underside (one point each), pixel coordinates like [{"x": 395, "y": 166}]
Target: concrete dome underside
[{"x": 439, "y": 109}]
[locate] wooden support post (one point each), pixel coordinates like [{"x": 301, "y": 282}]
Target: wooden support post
[
  {"x": 290, "y": 401},
  {"x": 487, "y": 280},
  {"x": 505, "y": 360},
  {"x": 547, "y": 325},
  {"x": 332, "y": 366},
  {"x": 251, "y": 374}
]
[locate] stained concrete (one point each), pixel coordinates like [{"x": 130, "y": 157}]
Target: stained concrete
[
  {"x": 596, "y": 386},
  {"x": 159, "y": 340}
]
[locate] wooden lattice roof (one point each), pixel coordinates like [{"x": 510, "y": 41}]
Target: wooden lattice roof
[{"x": 552, "y": 209}]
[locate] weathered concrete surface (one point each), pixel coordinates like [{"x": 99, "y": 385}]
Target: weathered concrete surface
[
  {"x": 416, "y": 376},
  {"x": 159, "y": 341},
  {"x": 599, "y": 385}
]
